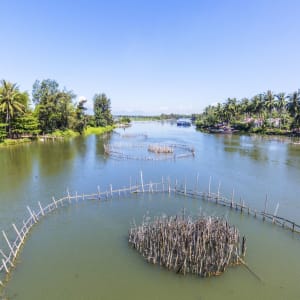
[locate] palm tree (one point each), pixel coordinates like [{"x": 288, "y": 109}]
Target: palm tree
[
  {"x": 281, "y": 105},
  {"x": 269, "y": 100},
  {"x": 10, "y": 102},
  {"x": 257, "y": 105},
  {"x": 293, "y": 107}
]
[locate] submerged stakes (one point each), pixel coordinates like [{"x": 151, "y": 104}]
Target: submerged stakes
[{"x": 204, "y": 246}]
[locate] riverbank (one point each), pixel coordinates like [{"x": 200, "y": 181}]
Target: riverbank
[{"x": 58, "y": 134}]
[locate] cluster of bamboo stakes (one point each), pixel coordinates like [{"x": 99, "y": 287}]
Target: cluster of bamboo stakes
[
  {"x": 116, "y": 151},
  {"x": 160, "y": 149},
  {"x": 204, "y": 246},
  {"x": 16, "y": 239}
]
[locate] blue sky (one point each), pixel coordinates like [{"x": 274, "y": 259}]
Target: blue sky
[{"x": 153, "y": 56}]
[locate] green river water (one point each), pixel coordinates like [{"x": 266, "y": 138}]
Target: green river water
[{"x": 81, "y": 251}]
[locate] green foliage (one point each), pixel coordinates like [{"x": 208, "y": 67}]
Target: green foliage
[
  {"x": 12, "y": 142},
  {"x": 102, "y": 110},
  {"x": 3, "y": 133},
  {"x": 265, "y": 112},
  {"x": 68, "y": 133},
  {"x": 54, "y": 107},
  {"x": 26, "y": 124},
  {"x": 12, "y": 103},
  {"x": 98, "y": 130},
  {"x": 80, "y": 119},
  {"x": 124, "y": 120}
]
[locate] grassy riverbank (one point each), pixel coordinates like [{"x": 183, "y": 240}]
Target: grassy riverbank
[{"x": 69, "y": 133}]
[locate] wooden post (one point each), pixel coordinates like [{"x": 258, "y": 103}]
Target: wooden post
[
  {"x": 169, "y": 183},
  {"x": 142, "y": 181},
  {"x": 293, "y": 227},
  {"x": 32, "y": 214},
  {"x": 185, "y": 186},
  {"x": 54, "y": 202},
  {"x": 41, "y": 208},
  {"x": 18, "y": 233},
  {"x": 76, "y": 196},
  {"x": 98, "y": 188},
  {"x": 8, "y": 243}
]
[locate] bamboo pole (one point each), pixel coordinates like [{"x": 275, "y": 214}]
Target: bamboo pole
[
  {"x": 142, "y": 182},
  {"x": 18, "y": 233},
  {"x": 55, "y": 204},
  {"x": 5, "y": 266},
  {"x": 68, "y": 193},
  {"x": 41, "y": 209},
  {"x": 111, "y": 190},
  {"x": 7, "y": 258},
  {"x": 99, "y": 194},
  {"x": 8, "y": 243},
  {"x": 32, "y": 214}
]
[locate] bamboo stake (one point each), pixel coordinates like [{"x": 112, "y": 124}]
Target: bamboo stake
[
  {"x": 32, "y": 214},
  {"x": 142, "y": 182},
  {"x": 99, "y": 194},
  {"x": 209, "y": 186},
  {"x": 265, "y": 208},
  {"x": 5, "y": 266},
  {"x": 8, "y": 243},
  {"x": 18, "y": 233},
  {"x": 275, "y": 212},
  {"x": 7, "y": 258},
  {"x": 111, "y": 190},
  {"x": 219, "y": 191},
  {"x": 41, "y": 209},
  {"x": 68, "y": 193},
  {"x": 55, "y": 204}
]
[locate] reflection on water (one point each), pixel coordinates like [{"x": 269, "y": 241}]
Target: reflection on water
[{"x": 253, "y": 166}]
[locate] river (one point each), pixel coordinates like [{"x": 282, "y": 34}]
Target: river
[{"x": 81, "y": 251}]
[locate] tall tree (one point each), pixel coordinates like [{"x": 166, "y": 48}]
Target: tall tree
[
  {"x": 102, "y": 110},
  {"x": 269, "y": 100},
  {"x": 293, "y": 108},
  {"x": 54, "y": 107},
  {"x": 80, "y": 117},
  {"x": 281, "y": 106},
  {"x": 11, "y": 102}
]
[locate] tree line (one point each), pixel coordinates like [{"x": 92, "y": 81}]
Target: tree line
[
  {"x": 261, "y": 112},
  {"x": 53, "y": 109}
]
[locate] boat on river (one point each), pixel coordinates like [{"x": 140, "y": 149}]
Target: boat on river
[{"x": 184, "y": 122}]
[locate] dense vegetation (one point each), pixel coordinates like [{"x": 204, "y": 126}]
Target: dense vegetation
[
  {"x": 54, "y": 111},
  {"x": 266, "y": 112}
]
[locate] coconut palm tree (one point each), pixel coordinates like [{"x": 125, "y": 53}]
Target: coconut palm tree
[
  {"x": 281, "y": 106},
  {"x": 269, "y": 101},
  {"x": 293, "y": 107},
  {"x": 10, "y": 102}
]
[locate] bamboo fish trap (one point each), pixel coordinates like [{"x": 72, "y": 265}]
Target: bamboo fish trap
[{"x": 204, "y": 246}]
